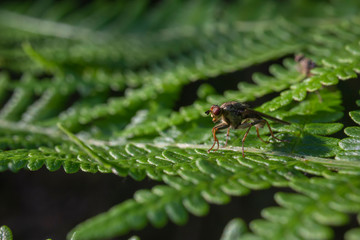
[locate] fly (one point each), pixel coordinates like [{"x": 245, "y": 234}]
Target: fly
[
  {"x": 238, "y": 115},
  {"x": 304, "y": 65}
]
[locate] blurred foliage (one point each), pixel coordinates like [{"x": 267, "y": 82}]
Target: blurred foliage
[
  {"x": 5, "y": 233},
  {"x": 111, "y": 74}
]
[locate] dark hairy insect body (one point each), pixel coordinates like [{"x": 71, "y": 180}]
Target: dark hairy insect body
[
  {"x": 236, "y": 115},
  {"x": 304, "y": 65}
]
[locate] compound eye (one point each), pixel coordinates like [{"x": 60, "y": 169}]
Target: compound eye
[{"x": 215, "y": 110}]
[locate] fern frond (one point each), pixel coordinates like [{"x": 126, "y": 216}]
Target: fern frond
[
  {"x": 350, "y": 146},
  {"x": 246, "y": 92},
  {"x": 110, "y": 76},
  {"x": 212, "y": 178},
  {"x": 343, "y": 67}
]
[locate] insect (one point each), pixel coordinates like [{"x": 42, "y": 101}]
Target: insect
[
  {"x": 304, "y": 67},
  {"x": 304, "y": 64},
  {"x": 238, "y": 115}
]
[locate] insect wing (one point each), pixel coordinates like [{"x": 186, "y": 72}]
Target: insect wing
[
  {"x": 268, "y": 117},
  {"x": 236, "y": 108}
]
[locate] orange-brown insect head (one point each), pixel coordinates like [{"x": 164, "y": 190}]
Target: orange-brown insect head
[{"x": 215, "y": 112}]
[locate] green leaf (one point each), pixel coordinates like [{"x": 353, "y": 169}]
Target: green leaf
[
  {"x": 5, "y": 233},
  {"x": 175, "y": 157},
  {"x": 311, "y": 229},
  {"x": 216, "y": 196},
  {"x": 157, "y": 217},
  {"x": 350, "y": 144},
  {"x": 265, "y": 229},
  {"x": 352, "y": 234},
  {"x": 234, "y": 229},
  {"x": 196, "y": 205},
  {"x": 210, "y": 168},
  {"x": 277, "y": 214},
  {"x": 234, "y": 188},
  {"x": 176, "y": 212},
  {"x": 294, "y": 201},
  {"x": 328, "y": 216},
  {"x": 323, "y": 129},
  {"x": 353, "y": 131}
]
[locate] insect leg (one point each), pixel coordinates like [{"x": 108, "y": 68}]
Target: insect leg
[
  {"x": 245, "y": 125},
  {"x": 271, "y": 132},
  {"x": 243, "y": 140},
  {"x": 258, "y": 135},
  {"x": 249, "y": 125},
  {"x": 227, "y": 136},
  {"x": 215, "y": 140},
  {"x": 216, "y": 128}
]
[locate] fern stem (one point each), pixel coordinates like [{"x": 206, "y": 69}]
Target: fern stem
[
  {"x": 48, "y": 28},
  {"x": 20, "y": 126},
  {"x": 331, "y": 163},
  {"x": 26, "y": 46},
  {"x": 86, "y": 148},
  {"x": 328, "y": 162}
]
